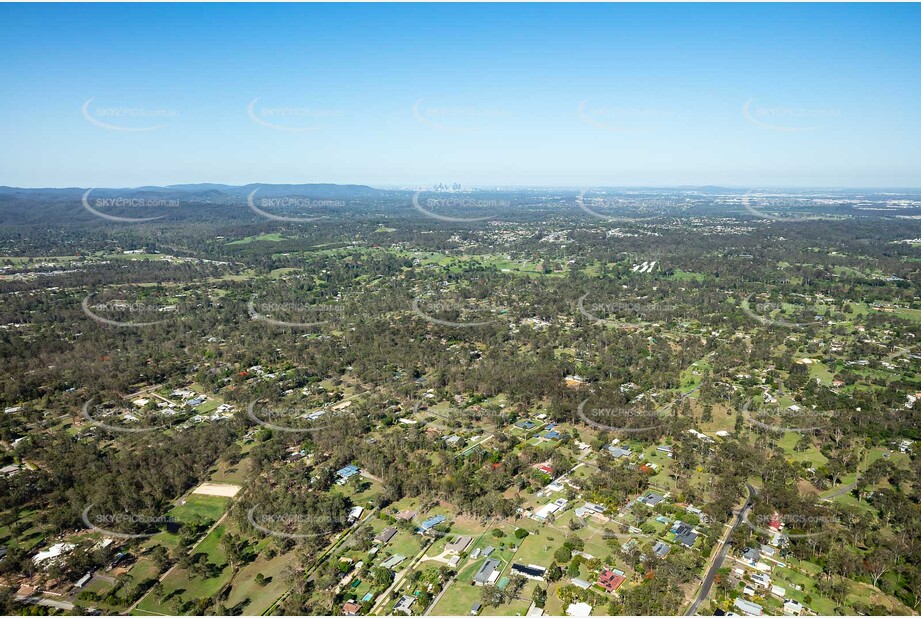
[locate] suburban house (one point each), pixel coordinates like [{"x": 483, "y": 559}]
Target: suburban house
[
  {"x": 651, "y": 499},
  {"x": 684, "y": 534},
  {"x": 611, "y": 579},
  {"x": 459, "y": 544},
  {"x": 548, "y": 509},
  {"x": 661, "y": 549},
  {"x": 430, "y": 523},
  {"x": 618, "y": 452},
  {"x": 792, "y": 607},
  {"x": 346, "y": 473},
  {"x": 403, "y": 605},
  {"x": 579, "y": 609},
  {"x": 350, "y": 608},
  {"x": 385, "y": 535},
  {"x": 588, "y": 509},
  {"x": 392, "y": 561},
  {"x": 488, "y": 573},
  {"x": 747, "y": 607}
]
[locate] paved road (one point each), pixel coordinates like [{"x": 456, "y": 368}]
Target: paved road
[
  {"x": 844, "y": 489},
  {"x": 723, "y": 545}
]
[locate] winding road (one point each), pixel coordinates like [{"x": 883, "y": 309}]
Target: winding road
[{"x": 723, "y": 545}]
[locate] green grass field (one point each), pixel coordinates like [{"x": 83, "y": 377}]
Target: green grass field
[{"x": 273, "y": 237}]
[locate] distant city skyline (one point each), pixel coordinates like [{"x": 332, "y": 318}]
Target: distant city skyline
[{"x": 549, "y": 95}]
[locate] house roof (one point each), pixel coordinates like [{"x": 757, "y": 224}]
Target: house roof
[
  {"x": 661, "y": 549},
  {"x": 459, "y": 544},
  {"x": 688, "y": 538},
  {"x": 579, "y": 609},
  {"x": 347, "y": 471},
  {"x": 611, "y": 580},
  {"x": 386, "y": 534},
  {"x": 431, "y": 522},
  {"x": 530, "y": 570},
  {"x": 486, "y": 569},
  {"x": 752, "y": 609},
  {"x": 351, "y": 608},
  {"x": 393, "y": 560},
  {"x": 652, "y": 498}
]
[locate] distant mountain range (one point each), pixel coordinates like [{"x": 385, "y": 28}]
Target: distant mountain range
[{"x": 204, "y": 190}]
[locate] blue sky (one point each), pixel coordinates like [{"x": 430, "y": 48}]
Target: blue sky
[{"x": 504, "y": 94}]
